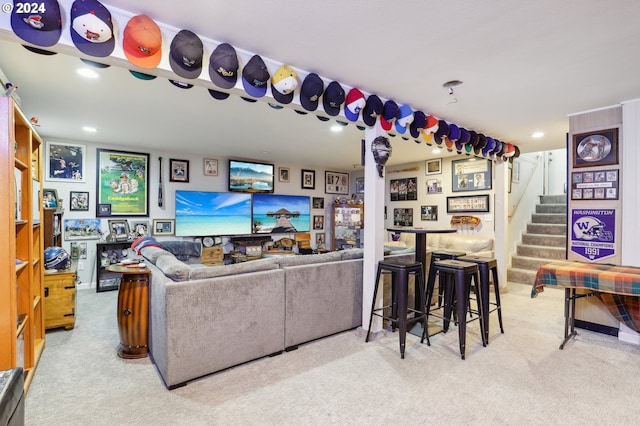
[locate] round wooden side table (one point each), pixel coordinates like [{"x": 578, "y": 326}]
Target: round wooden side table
[{"x": 133, "y": 310}]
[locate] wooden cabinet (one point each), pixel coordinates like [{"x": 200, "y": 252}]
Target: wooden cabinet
[
  {"x": 109, "y": 254},
  {"x": 60, "y": 298},
  {"x": 348, "y": 223},
  {"x": 52, "y": 231},
  {"x": 21, "y": 243}
]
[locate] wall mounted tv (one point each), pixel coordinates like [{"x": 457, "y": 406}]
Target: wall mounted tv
[
  {"x": 274, "y": 213},
  {"x": 201, "y": 214},
  {"x": 250, "y": 176}
]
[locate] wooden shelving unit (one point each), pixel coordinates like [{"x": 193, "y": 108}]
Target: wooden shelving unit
[{"x": 22, "y": 333}]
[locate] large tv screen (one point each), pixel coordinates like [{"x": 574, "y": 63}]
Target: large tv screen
[
  {"x": 249, "y": 176},
  {"x": 201, "y": 213},
  {"x": 273, "y": 213}
]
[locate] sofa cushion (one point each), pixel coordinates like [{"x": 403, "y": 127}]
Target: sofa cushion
[
  {"x": 285, "y": 261},
  {"x": 198, "y": 273},
  {"x": 151, "y": 253},
  {"x": 352, "y": 253},
  {"x": 172, "y": 267}
]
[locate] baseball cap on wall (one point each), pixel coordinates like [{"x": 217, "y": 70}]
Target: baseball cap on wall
[
  {"x": 419, "y": 123},
  {"x": 354, "y": 103},
  {"x": 372, "y": 110},
  {"x": 406, "y": 117},
  {"x": 142, "y": 42},
  {"x": 41, "y": 27},
  {"x": 215, "y": 94},
  {"x": 255, "y": 76},
  {"x": 92, "y": 28},
  {"x": 142, "y": 76},
  {"x": 283, "y": 83},
  {"x": 333, "y": 98},
  {"x": 310, "y": 92},
  {"x": 390, "y": 113},
  {"x": 185, "y": 54},
  {"x": 223, "y": 66}
]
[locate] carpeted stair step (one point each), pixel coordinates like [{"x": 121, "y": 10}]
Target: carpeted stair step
[
  {"x": 547, "y": 228},
  {"x": 544, "y": 240},
  {"x": 528, "y": 263},
  {"x": 543, "y": 252},
  {"x": 522, "y": 276},
  {"x": 549, "y": 218},
  {"x": 551, "y": 208},
  {"x": 553, "y": 199}
]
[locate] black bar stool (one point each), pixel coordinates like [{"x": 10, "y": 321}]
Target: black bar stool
[
  {"x": 486, "y": 265},
  {"x": 400, "y": 271},
  {"x": 456, "y": 276},
  {"x": 436, "y": 256}
]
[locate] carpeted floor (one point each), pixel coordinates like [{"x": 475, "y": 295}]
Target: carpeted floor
[{"x": 520, "y": 378}]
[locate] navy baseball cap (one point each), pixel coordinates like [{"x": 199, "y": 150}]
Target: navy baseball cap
[
  {"x": 215, "y": 94},
  {"x": 372, "y": 110},
  {"x": 255, "y": 77},
  {"x": 185, "y": 54},
  {"x": 223, "y": 66},
  {"x": 92, "y": 28},
  {"x": 310, "y": 92},
  {"x": 419, "y": 122},
  {"x": 390, "y": 113},
  {"x": 41, "y": 27},
  {"x": 333, "y": 98},
  {"x": 443, "y": 130}
]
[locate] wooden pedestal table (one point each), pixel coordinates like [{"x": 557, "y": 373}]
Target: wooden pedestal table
[{"x": 133, "y": 310}]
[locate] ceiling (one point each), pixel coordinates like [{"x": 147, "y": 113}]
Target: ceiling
[{"x": 525, "y": 66}]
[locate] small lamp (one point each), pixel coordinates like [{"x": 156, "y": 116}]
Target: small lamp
[{"x": 381, "y": 149}]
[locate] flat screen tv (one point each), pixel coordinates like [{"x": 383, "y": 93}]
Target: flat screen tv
[
  {"x": 200, "y": 213},
  {"x": 274, "y": 213},
  {"x": 250, "y": 176}
]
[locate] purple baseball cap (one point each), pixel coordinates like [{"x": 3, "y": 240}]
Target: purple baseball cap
[{"x": 42, "y": 26}]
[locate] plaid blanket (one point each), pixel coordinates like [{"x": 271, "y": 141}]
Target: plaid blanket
[{"x": 618, "y": 286}]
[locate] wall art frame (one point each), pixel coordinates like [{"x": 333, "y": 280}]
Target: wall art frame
[
  {"x": 65, "y": 162},
  {"x": 336, "y": 182},
  {"x": 210, "y": 166},
  {"x": 433, "y": 167},
  {"x": 468, "y": 204},
  {"x": 178, "y": 170},
  {"x": 78, "y": 201},
  {"x": 283, "y": 174},
  {"x": 597, "y": 148},
  {"x": 118, "y": 230},
  {"x": 163, "y": 227},
  {"x": 471, "y": 174},
  {"x": 122, "y": 183},
  {"x": 308, "y": 179},
  {"x": 50, "y": 198}
]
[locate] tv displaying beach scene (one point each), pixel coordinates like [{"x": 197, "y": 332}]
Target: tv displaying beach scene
[
  {"x": 200, "y": 213},
  {"x": 273, "y": 213},
  {"x": 249, "y": 176}
]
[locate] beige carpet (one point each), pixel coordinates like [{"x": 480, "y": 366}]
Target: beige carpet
[{"x": 521, "y": 378}]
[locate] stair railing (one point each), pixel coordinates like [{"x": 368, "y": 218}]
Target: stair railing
[{"x": 527, "y": 181}]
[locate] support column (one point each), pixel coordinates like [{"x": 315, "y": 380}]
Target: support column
[{"x": 374, "y": 231}]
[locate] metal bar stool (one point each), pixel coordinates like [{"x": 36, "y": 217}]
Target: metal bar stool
[
  {"x": 436, "y": 256},
  {"x": 486, "y": 265},
  {"x": 457, "y": 283},
  {"x": 400, "y": 271}
]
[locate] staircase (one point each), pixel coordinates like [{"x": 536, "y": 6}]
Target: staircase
[{"x": 544, "y": 241}]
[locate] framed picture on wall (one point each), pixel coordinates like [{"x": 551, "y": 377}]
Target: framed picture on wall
[
  {"x": 122, "y": 183},
  {"x": 336, "y": 183},
  {"x": 179, "y": 170},
  {"x": 50, "y": 198},
  {"x": 470, "y": 175},
  {"x": 79, "y": 201},
  {"x": 595, "y": 148},
  {"x": 283, "y": 174},
  {"x": 468, "y": 203},
  {"x": 317, "y": 202},
  {"x": 433, "y": 167},
  {"x": 65, "y": 162},
  {"x": 308, "y": 179},
  {"x": 210, "y": 167},
  {"x": 163, "y": 227}
]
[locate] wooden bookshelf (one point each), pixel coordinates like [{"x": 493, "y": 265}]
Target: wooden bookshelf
[{"x": 21, "y": 242}]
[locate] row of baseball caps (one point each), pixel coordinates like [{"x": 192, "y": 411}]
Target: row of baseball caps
[{"x": 92, "y": 33}]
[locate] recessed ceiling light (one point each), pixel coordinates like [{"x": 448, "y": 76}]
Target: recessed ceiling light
[
  {"x": 89, "y": 129},
  {"x": 537, "y": 135},
  {"x": 436, "y": 151},
  {"x": 87, "y": 73},
  {"x": 336, "y": 128}
]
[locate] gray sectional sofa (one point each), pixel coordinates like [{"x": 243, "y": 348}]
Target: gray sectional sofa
[{"x": 204, "y": 319}]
